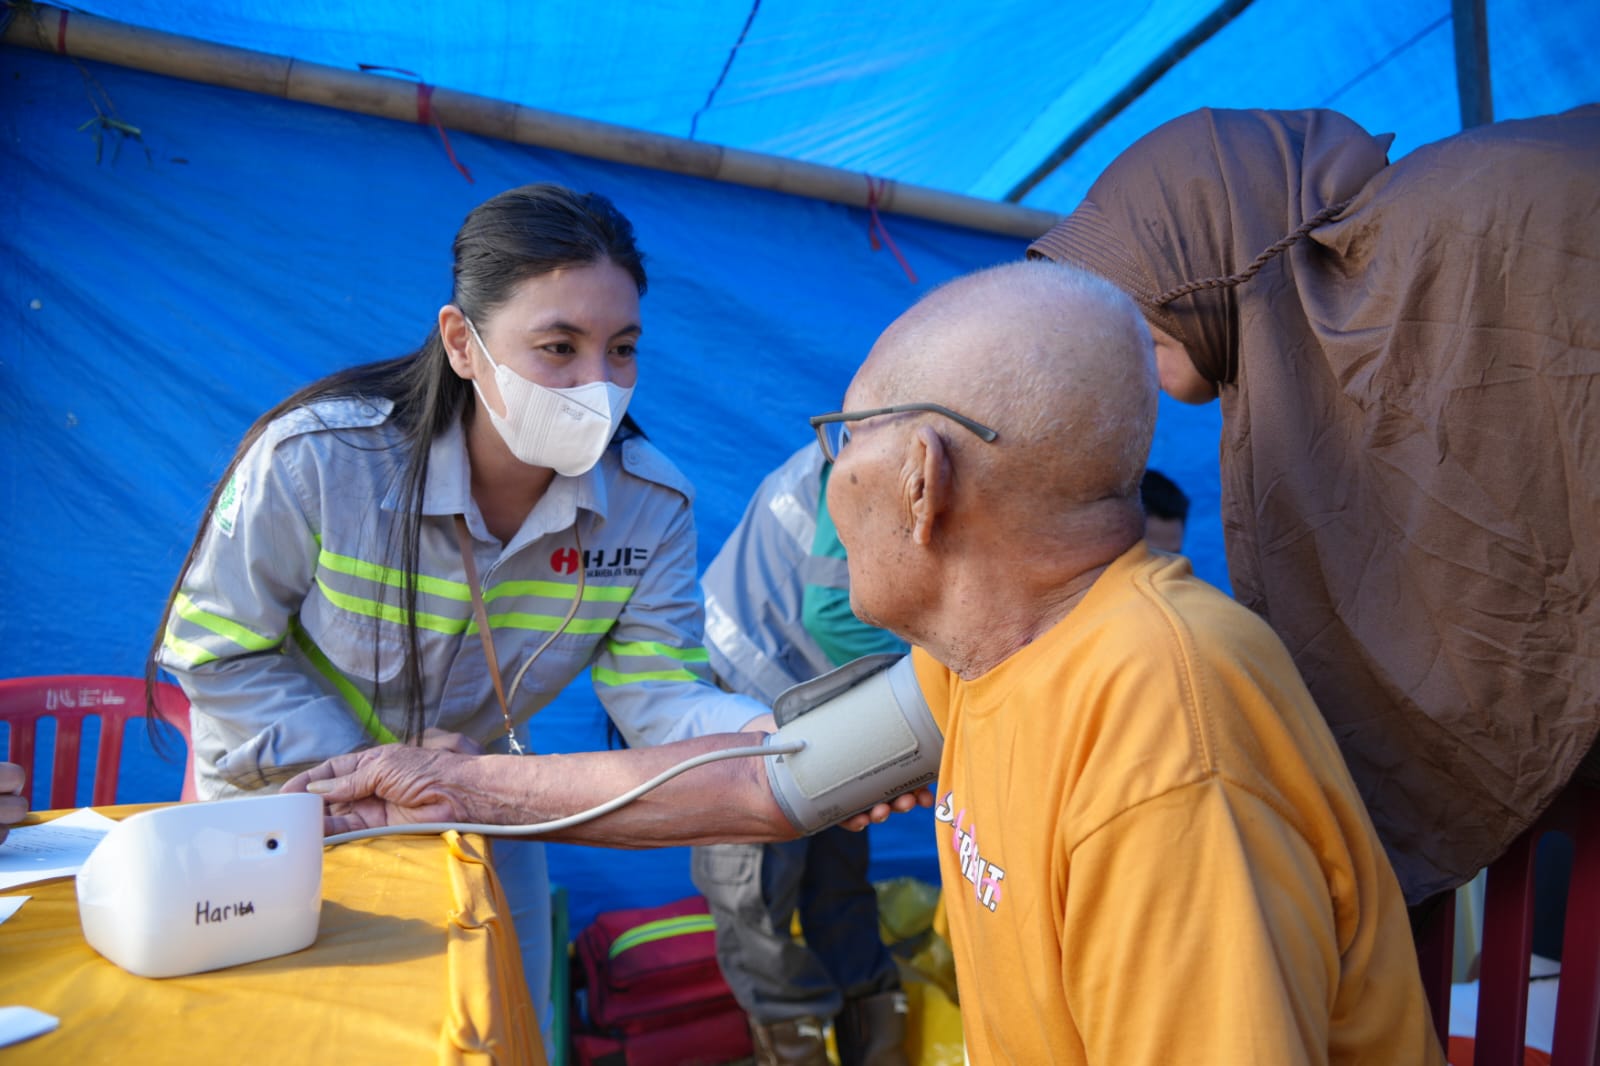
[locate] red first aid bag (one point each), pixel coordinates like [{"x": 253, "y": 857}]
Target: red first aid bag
[{"x": 652, "y": 992}]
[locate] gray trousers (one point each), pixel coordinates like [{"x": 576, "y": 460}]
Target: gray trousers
[{"x": 755, "y": 890}]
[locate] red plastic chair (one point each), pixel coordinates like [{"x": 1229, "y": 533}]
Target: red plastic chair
[
  {"x": 69, "y": 699},
  {"x": 1508, "y": 944}
]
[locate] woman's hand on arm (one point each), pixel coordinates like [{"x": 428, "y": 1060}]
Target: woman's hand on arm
[{"x": 395, "y": 784}]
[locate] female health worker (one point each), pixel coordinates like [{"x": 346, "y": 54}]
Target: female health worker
[{"x": 331, "y": 600}]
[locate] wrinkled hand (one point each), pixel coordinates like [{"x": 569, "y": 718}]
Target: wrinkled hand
[
  {"x": 444, "y": 740},
  {"x": 906, "y": 801},
  {"x": 395, "y": 784},
  {"x": 13, "y": 798}
]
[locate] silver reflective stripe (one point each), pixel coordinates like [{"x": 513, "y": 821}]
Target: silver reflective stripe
[
  {"x": 761, "y": 676},
  {"x": 796, "y": 518}
]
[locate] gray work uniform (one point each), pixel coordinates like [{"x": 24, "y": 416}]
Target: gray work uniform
[
  {"x": 777, "y": 613},
  {"x": 287, "y": 633}
]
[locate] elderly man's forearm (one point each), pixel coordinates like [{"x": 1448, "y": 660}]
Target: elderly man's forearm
[{"x": 722, "y": 802}]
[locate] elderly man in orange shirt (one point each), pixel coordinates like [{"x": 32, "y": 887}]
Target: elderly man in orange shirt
[{"x": 1151, "y": 847}]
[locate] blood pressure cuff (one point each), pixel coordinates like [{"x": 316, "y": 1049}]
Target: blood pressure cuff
[
  {"x": 809, "y": 695},
  {"x": 868, "y": 737}
]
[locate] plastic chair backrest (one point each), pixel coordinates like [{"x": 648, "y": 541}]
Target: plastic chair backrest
[
  {"x": 68, "y": 699},
  {"x": 1508, "y": 945}
]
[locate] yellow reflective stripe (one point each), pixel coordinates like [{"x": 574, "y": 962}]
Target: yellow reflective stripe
[
  {"x": 223, "y": 627},
  {"x": 352, "y": 695},
  {"x": 603, "y": 676},
  {"x": 390, "y": 612},
  {"x": 660, "y": 930},
  {"x": 191, "y": 654},
  {"x": 547, "y": 623},
  {"x": 433, "y": 586},
  {"x": 457, "y": 590},
  {"x": 561, "y": 591},
  {"x": 652, "y": 647}
]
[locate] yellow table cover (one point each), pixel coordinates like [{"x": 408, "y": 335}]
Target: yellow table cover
[{"x": 415, "y": 961}]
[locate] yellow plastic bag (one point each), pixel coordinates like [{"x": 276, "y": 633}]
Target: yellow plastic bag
[
  {"x": 933, "y": 1028},
  {"x": 910, "y": 917}
]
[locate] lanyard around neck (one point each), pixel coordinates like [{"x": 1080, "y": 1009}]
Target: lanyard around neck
[{"x": 464, "y": 543}]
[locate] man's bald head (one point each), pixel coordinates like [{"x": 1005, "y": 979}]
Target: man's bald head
[
  {"x": 1056, "y": 360},
  {"x": 1059, "y": 364}
]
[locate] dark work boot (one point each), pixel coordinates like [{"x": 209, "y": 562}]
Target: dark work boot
[
  {"x": 795, "y": 1042},
  {"x": 871, "y": 1031}
]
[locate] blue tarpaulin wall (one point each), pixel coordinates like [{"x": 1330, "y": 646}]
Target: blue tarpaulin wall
[
  {"x": 965, "y": 95},
  {"x": 156, "y": 296}
]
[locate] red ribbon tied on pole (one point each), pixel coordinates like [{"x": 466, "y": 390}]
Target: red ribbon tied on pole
[
  {"x": 426, "y": 116},
  {"x": 876, "y": 228}
]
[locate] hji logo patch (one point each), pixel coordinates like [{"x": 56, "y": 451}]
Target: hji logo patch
[{"x": 601, "y": 561}]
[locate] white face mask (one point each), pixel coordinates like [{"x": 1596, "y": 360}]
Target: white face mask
[{"x": 566, "y": 430}]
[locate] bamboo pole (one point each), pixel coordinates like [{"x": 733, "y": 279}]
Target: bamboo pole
[{"x": 46, "y": 28}]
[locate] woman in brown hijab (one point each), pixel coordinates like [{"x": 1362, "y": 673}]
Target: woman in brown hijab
[{"x": 1408, "y": 359}]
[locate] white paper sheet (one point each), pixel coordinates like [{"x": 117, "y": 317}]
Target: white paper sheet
[
  {"x": 10, "y": 905},
  {"x": 55, "y": 849},
  {"x": 24, "y": 1023}
]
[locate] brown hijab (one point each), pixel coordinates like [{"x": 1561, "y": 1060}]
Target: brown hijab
[{"x": 1411, "y": 435}]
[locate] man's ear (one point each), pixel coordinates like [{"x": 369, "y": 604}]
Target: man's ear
[
  {"x": 926, "y": 484},
  {"x": 457, "y": 340}
]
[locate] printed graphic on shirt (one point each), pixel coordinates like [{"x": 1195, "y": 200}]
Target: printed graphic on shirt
[
  {"x": 983, "y": 875},
  {"x": 601, "y": 562},
  {"x": 231, "y": 498}
]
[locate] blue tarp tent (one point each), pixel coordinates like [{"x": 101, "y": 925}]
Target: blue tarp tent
[{"x": 176, "y": 256}]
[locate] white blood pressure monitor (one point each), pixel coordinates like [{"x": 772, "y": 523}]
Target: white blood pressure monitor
[{"x": 200, "y": 886}]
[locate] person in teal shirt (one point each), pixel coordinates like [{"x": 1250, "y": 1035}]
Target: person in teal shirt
[{"x": 778, "y": 613}]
